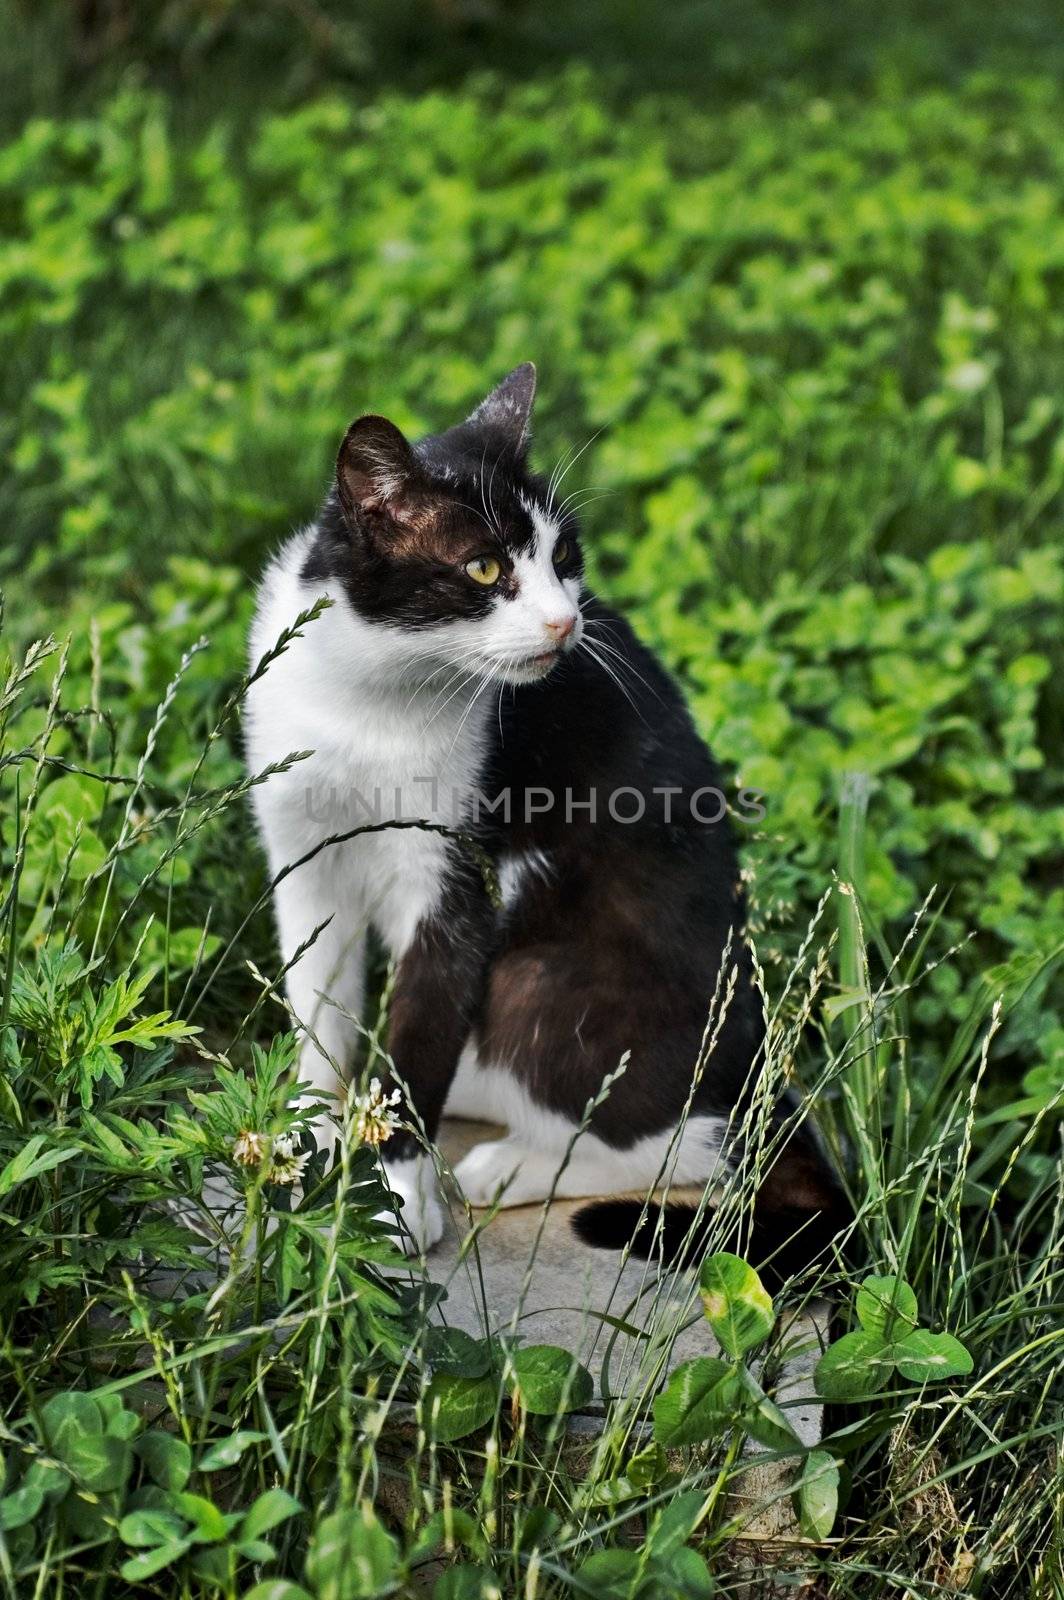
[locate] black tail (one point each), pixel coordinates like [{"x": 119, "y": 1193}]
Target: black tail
[{"x": 799, "y": 1214}]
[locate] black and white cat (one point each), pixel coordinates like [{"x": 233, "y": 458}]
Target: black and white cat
[{"x": 465, "y": 677}]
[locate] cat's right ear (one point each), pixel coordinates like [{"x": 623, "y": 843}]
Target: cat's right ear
[{"x": 376, "y": 470}]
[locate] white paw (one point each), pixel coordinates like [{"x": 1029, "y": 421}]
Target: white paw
[
  {"x": 500, "y": 1165},
  {"x": 413, "y": 1183}
]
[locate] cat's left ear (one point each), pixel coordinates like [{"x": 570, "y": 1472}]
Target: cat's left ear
[
  {"x": 507, "y": 410},
  {"x": 376, "y": 470}
]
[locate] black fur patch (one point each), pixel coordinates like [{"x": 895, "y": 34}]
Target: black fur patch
[
  {"x": 799, "y": 1221},
  {"x": 438, "y": 986}
]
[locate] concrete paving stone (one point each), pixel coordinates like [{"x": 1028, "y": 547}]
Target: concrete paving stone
[{"x": 530, "y": 1274}]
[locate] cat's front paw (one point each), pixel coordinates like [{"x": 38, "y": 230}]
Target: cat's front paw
[
  {"x": 413, "y": 1183},
  {"x": 500, "y": 1169}
]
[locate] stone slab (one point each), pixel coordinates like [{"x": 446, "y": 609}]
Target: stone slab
[{"x": 524, "y": 1270}]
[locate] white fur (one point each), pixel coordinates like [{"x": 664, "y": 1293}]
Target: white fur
[
  {"x": 516, "y": 870},
  {"x": 528, "y": 1164},
  {"x": 413, "y": 1183}
]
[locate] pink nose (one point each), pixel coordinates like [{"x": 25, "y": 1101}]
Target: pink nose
[{"x": 560, "y": 631}]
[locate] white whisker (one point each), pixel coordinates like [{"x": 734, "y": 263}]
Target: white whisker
[
  {"x": 483, "y": 497},
  {"x": 570, "y": 464},
  {"x": 580, "y": 498},
  {"x": 552, "y": 486},
  {"x": 621, "y": 659},
  {"x": 465, "y": 670},
  {"x": 585, "y": 644},
  {"x": 466, "y": 507},
  {"x": 485, "y": 681},
  {"x": 491, "y": 502}
]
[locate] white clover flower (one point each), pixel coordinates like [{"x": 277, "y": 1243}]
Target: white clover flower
[
  {"x": 249, "y": 1148},
  {"x": 375, "y": 1120},
  {"x": 286, "y": 1164}
]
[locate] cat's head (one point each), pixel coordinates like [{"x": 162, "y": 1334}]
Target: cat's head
[{"x": 457, "y": 544}]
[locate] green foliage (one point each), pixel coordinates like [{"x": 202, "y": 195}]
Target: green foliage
[
  {"x": 879, "y": 382},
  {"x": 886, "y": 1306},
  {"x": 545, "y": 1381},
  {"x": 817, "y": 1495},
  {"x": 456, "y": 1406},
  {"x": 697, "y": 1403},
  {"x": 938, "y": 682},
  {"x": 351, "y": 1556},
  {"x": 542, "y": 1380},
  {"x": 708, "y": 1398},
  {"x": 102, "y": 1475},
  {"x": 465, "y": 1582},
  {"x": 834, "y": 448},
  {"x": 862, "y": 1362},
  {"x": 663, "y": 1568}
]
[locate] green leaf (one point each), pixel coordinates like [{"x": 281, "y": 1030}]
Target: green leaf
[
  {"x": 446, "y": 1529},
  {"x": 272, "y": 1507},
  {"x": 73, "y": 797},
  {"x": 455, "y": 1406},
  {"x": 854, "y": 1367},
  {"x": 464, "y": 1583},
  {"x": 151, "y": 1528},
  {"x": 762, "y": 1417},
  {"x": 168, "y": 1459},
  {"x": 697, "y": 1403},
  {"x": 686, "y": 1577},
  {"x": 887, "y": 1307},
  {"x": 137, "y": 1568},
  {"x": 351, "y": 1555},
  {"x": 211, "y": 1563},
  {"x": 20, "y": 1506},
  {"x": 612, "y": 1491},
  {"x": 186, "y": 946},
  {"x": 90, "y": 1520},
  {"x": 209, "y": 1524},
  {"x": 922, "y": 1356},
  {"x": 737, "y": 1307},
  {"x": 53, "y": 1482},
  {"x": 456, "y": 1352},
  {"x": 816, "y": 1495},
  {"x": 644, "y": 1469},
  {"x": 647, "y": 1466},
  {"x": 98, "y": 1461},
  {"x": 277, "y": 1589},
  {"x": 32, "y": 1161},
  {"x": 674, "y": 1525},
  {"x": 227, "y": 1452},
  {"x": 547, "y": 1381},
  {"x": 70, "y": 1413},
  {"x": 539, "y": 1525},
  {"x": 117, "y": 1421},
  {"x": 257, "y": 1550},
  {"x": 614, "y": 1574}
]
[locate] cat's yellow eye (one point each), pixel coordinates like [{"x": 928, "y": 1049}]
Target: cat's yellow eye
[
  {"x": 561, "y": 552},
  {"x": 484, "y": 569}
]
